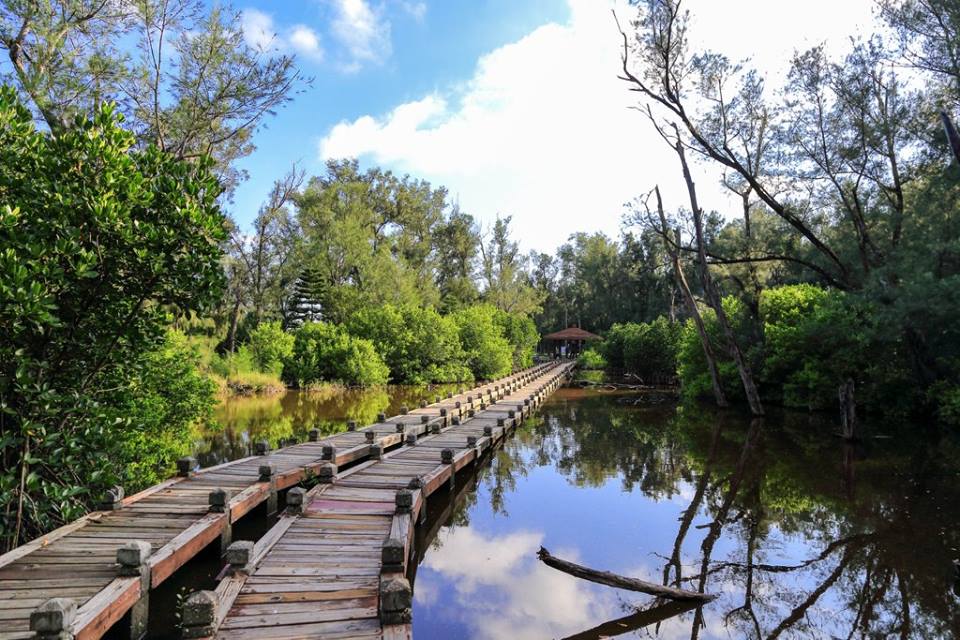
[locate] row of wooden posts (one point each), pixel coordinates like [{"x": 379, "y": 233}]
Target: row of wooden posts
[
  {"x": 56, "y": 618},
  {"x": 204, "y": 610}
]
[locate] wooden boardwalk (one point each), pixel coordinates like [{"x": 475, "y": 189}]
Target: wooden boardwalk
[
  {"x": 335, "y": 565},
  {"x": 88, "y": 574}
]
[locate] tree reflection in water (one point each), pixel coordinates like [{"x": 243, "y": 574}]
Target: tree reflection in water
[{"x": 870, "y": 531}]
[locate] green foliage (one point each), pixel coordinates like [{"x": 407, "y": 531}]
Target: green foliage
[
  {"x": 160, "y": 408},
  {"x": 324, "y": 352},
  {"x": 592, "y": 359},
  {"x": 418, "y": 344},
  {"x": 97, "y": 244},
  {"x": 692, "y": 364},
  {"x": 488, "y": 354},
  {"x": 269, "y": 346},
  {"x": 521, "y": 332},
  {"x": 645, "y": 349}
]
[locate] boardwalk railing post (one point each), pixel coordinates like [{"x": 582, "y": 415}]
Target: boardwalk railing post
[
  {"x": 185, "y": 466},
  {"x": 112, "y": 499},
  {"x": 392, "y": 556},
  {"x": 267, "y": 474},
  {"x": 262, "y": 448},
  {"x": 219, "y": 501},
  {"x": 314, "y": 435},
  {"x": 132, "y": 559},
  {"x": 238, "y": 556},
  {"x": 52, "y": 619},
  {"x": 295, "y": 497},
  {"x": 199, "y": 614},
  {"x": 351, "y": 425},
  {"x": 327, "y": 473},
  {"x": 396, "y": 600}
]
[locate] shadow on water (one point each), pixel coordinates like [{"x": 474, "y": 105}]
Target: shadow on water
[{"x": 799, "y": 534}]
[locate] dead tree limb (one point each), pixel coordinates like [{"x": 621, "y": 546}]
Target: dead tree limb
[{"x": 621, "y": 582}]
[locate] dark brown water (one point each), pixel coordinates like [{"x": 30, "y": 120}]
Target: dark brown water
[{"x": 799, "y": 535}]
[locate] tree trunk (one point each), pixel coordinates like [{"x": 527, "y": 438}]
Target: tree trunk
[
  {"x": 234, "y": 320},
  {"x": 848, "y": 409},
  {"x": 713, "y": 297},
  {"x": 674, "y": 251},
  {"x": 621, "y": 582}
]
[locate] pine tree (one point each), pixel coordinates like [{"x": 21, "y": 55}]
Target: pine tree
[{"x": 306, "y": 301}]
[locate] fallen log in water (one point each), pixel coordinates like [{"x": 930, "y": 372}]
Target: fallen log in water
[{"x": 620, "y": 582}]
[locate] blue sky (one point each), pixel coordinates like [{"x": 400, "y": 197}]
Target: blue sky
[{"x": 513, "y": 105}]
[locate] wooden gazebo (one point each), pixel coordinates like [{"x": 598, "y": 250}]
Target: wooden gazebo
[{"x": 569, "y": 342}]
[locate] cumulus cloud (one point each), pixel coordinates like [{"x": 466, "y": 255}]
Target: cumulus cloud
[
  {"x": 363, "y": 31},
  {"x": 543, "y": 130},
  {"x": 261, "y": 32},
  {"x": 505, "y": 592}
]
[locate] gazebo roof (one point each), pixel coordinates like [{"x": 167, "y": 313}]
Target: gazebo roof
[{"x": 572, "y": 333}]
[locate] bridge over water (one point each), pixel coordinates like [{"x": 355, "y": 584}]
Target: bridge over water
[{"x": 334, "y": 565}]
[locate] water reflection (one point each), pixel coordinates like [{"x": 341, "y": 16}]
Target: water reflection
[
  {"x": 798, "y": 534},
  {"x": 241, "y": 421}
]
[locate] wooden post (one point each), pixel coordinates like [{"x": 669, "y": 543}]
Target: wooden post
[
  {"x": 53, "y": 619},
  {"x": 199, "y": 614},
  {"x": 112, "y": 499},
  {"x": 238, "y": 556},
  {"x": 262, "y": 448},
  {"x": 392, "y": 556},
  {"x": 351, "y": 425},
  {"x": 381, "y": 417},
  {"x": 411, "y": 439},
  {"x": 295, "y": 497},
  {"x": 185, "y": 466},
  {"x": 396, "y": 600},
  {"x": 404, "y": 501},
  {"x": 327, "y": 473},
  {"x": 376, "y": 451},
  {"x": 132, "y": 559},
  {"x": 329, "y": 452},
  {"x": 370, "y": 435},
  {"x": 314, "y": 435},
  {"x": 219, "y": 501},
  {"x": 267, "y": 475}
]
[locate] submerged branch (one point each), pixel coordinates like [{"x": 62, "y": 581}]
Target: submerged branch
[{"x": 620, "y": 582}]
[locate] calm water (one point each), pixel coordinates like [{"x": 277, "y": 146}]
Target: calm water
[
  {"x": 244, "y": 420},
  {"x": 798, "y": 534}
]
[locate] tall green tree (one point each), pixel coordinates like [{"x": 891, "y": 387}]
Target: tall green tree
[
  {"x": 180, "y": 71},
  {"x": 99, "y": 244},
  {"x": 506, "y": 284}
]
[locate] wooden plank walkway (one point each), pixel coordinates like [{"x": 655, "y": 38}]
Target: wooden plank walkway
[
  {"x": 335, "y": 565},
  {"x": 93, "y": 571}
]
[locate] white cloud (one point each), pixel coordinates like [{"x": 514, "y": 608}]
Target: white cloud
[
  {"x": 521, "y": 597},
  {"x": 543, "y": 130},
  {"x": 417, "y": 10},
  {"x": 260, "y": 32},
  {"x": 258, "y": 29},
  {"x": 363, "y": 31},
  {"x": 305, "y": 41}
]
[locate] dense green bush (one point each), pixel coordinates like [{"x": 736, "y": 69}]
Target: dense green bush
[
  {"x": 692, "y": 364},
  {"x": 160, "y": 408},
  {"x": 98, "y": 242},
  {"x": 645, "y": 349},
  {"x": 592, "y": 359},
  {"x": 488, "y": 354},
  {"x": 327, "y": 353},
  {"x": 269, "y": 346},
  {"x": 418, "y": 344},
  {"x": 521, "y": 332}
]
